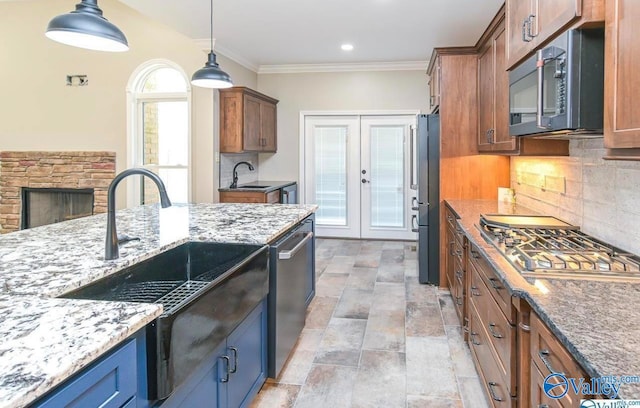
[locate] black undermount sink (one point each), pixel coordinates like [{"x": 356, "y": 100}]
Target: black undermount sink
[
  {"x": 241, "y": 187},
  {"x": 206, "y": 290}
]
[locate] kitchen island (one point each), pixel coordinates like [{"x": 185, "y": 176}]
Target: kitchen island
[
  {"x": 597, "y": 321},
  {"x": 45, "y": 262}
]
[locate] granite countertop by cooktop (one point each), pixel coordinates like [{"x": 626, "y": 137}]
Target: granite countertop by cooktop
[
  {"x": 597, "y": 321},
  {"x": 47, "y": 340},
  {"x": 269, "y": 185}
]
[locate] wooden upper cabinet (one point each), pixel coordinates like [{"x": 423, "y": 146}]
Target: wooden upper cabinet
[
  {"x": 622, "y": 83},
  {"x": 493, "y": 100},
  {"x": 434, "y": 83},
  {"x": 247, "y": 121},
  {"x": 493, "y": 94},
  {"x": 532, "y": 23}
]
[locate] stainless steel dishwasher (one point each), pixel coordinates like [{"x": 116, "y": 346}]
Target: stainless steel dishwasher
[{"x": 291, "y": 270}]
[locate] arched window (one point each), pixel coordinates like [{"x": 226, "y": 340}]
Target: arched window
[{"x": 159, "y": 131}]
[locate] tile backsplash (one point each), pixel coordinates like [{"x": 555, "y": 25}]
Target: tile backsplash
[
  {"x": 601, "y": 196},
  {"x": 227, "y": 161}
]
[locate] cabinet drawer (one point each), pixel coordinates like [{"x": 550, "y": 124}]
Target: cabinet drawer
[
  {"x": 110, "y": 383},
  {"x": 538, "y": 397},
  {"x": 242, "y": 197},
  {"x": 458, "y": 247},
  {"x": 458, "y": 290},
  {"x": 497, "y": 289},
  {"x": 494, "y": 383},
  {"x": 273, "y": 197},
  {"x": 500, "y": 333},
  {"x": 551, "y": 357}
]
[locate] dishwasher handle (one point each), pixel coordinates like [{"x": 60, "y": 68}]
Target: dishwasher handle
[{"x": 290, "y": 253}]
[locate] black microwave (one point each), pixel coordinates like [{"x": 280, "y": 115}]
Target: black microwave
[{"x": 559, "y": 90}]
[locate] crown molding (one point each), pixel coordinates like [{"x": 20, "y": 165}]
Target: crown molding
[
  {"x": 344, "y": 67},
  {"x": 237, "y": 58}
]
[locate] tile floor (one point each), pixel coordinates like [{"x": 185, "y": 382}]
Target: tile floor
[{"x": 374, "y": 337}]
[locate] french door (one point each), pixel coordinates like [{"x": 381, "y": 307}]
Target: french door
[{"x": 357, "y": 171}]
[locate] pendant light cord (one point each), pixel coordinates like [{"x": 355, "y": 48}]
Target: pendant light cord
[{"x": 211, "y": 26}]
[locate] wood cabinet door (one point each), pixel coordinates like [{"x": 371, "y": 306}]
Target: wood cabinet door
[
  {"x": 231, "y": 124},
  {"x": 434, "y": 86},
  {"x": 622, "y": 83},
  {"x": 502, "y": 141},
  {"x": 450, "y": 260},
  {"x": 268, "y": 127},
  {"x": 553, "y": 15},
  {"x": 486, "y": 89},
  {"x": 252, "y": 129},
  {"x": 518, "y": 12}
]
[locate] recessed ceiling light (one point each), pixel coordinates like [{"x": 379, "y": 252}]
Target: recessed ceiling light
[{"x": 346, "y": 47}]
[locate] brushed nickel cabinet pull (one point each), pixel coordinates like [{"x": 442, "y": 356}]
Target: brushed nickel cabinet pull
[
  {"x": 492, "y": 392},
  {"x": 492, "y": 330}
]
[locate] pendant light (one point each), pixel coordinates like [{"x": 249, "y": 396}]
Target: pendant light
[
  {"x": 211, "y": 76},
  {"x": 86, "y": 28}
]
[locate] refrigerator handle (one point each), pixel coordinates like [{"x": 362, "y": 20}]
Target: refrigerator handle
[
  {"x": 414, "y": 223},
  {"x": 412, "y": 133}
]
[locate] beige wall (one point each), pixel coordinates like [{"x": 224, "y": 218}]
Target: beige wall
[
  {"x": 343, "y": 91},
  {"x": 39, "y": 112},
  {"x": 601, "y": 196}
]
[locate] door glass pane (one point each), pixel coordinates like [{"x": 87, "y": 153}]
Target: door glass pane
[
  {"x": 387, "y": 177},
  {"x": 331, "y": 175},
  {"x": 166, "y": 127},
  {"x": 175, "y": 181}
]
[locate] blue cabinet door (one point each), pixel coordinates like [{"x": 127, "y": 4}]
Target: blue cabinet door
[
  {"x": 247, "y": 351},
  {"x": 109, "y": 383}
]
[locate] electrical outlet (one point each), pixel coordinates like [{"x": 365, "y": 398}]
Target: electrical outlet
[
  {"x": 77, "y": 80},
  {"x": 217, "y": 155}
]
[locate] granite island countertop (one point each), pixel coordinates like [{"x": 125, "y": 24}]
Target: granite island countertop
[
  {"x": 597, "y": 321},
  {"x": 39, "y": 264}
]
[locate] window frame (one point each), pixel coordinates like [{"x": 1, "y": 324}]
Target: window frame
[{"x": 135, "y": 124}]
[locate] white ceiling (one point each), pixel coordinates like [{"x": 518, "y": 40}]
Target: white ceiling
[{"x": 276, "y": 32}]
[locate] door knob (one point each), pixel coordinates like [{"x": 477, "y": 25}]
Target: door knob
[{"x": 364, "y": 181}]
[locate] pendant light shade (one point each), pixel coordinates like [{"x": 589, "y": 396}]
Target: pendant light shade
[
  {"x": 85, "y": 27},
  {"x": 211, "y": 76}
]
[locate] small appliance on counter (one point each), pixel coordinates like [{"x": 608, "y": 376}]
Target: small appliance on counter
[{"x": 546, "y": 247}]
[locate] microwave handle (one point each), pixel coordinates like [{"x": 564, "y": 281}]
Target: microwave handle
[
  {"x": 542, "y": 57},
  {"x": 540, "y": 108}
]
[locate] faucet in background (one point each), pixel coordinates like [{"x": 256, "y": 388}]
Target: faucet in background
[
  {"x": 111, "y": 247},
  {"x": 235, "y": 173}
]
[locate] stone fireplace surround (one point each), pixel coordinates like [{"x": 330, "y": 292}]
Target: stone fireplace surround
[{"x": 72, "y": 170}]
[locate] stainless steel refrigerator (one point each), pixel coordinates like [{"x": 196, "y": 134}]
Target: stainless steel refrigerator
[{"x": 427, "y": 200}]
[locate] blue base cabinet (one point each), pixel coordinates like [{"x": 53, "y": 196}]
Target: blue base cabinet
[
  {"x": 232, "y": 375},
  {"x": 110, "y": 382}
]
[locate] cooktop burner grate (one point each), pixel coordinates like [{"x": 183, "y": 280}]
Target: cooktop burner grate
[{"x": 559, "y": 252}]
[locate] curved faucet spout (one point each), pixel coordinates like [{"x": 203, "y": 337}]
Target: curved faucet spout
[
  {"x": 235, "y": 173},
  {"x": 111, "y": 245}
]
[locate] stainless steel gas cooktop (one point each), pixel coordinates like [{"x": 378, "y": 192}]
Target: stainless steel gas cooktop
[{"x": 541, "y": 246}]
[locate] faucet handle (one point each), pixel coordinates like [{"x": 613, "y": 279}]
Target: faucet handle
[{"x": 122, "y": 238}]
